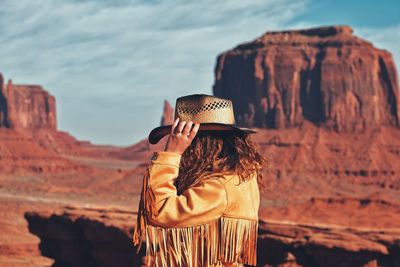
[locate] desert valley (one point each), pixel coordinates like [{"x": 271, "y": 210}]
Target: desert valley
[{"x": 326, "y": 105}]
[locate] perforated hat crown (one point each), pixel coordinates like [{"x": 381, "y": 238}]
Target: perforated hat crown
[{"x": 213, "y": 114}]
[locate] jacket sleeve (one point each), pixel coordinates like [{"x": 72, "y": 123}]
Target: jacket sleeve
[{"x": 199, "y": 204}]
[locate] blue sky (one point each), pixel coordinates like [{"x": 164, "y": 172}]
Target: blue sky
[{"x": 110, "y": 64}]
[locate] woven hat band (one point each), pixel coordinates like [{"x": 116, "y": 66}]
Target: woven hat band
[{"x": 205, "y": 109}]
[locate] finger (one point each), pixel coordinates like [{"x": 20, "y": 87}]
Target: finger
[
  {"x": 194, "y": 131},
  {"x": 187, "y": 128},
  {"x": 174, "y": 125},
  {"x": 180, "y": 127}
]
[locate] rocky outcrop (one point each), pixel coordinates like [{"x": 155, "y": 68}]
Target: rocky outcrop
[
  {"x": 86, "y": 237},
  {"x": 326, "y": 245},
  {"x": 168, "y": 114},
  {"x": 26, "y": 107},
  {"x": 101, "y": 237},
  {"x": 29, "y": 137},
  {"x": 324, "y": 75}
]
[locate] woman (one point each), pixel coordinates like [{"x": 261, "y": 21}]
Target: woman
[{"x": 200, "y": 197}]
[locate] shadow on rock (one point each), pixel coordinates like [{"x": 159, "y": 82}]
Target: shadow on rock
[{"x": 82, "y": 242}]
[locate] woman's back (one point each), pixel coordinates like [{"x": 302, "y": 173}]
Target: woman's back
[
  {"x": 243, "y": 199},
  {"x": 213, "y": 222},
  {"x": 200, "y": 197}
]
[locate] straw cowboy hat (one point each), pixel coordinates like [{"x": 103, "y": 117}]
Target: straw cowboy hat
[{"x": 213, "y": 114}]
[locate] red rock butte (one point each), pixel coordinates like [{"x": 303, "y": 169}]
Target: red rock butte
[
  {"x": 26, "y": 107},
  {"x": 324, "y": 75}
]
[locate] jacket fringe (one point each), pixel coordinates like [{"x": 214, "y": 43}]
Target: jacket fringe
[
  {"x": 227, "y": 239},
  {"x": 146, "y": 208}
]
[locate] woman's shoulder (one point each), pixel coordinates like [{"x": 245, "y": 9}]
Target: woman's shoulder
[
  {"x": 234, "y": 178},
  {"x": 226, "y": 177}
]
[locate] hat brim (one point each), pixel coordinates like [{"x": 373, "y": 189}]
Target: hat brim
[{"x": 159, "y": 132}]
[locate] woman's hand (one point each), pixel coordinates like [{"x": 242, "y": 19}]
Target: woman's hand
[{"x": 181, "y": 136}]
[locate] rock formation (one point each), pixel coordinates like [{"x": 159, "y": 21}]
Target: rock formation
[
  {"x": 317, "y": 245},
  {"x": 324, "y": 75},
  {"x": 26, "y": 107},
  {"x": 29, "y": 139},
  {"x": 102, "y": 237},
  {"x": 86, "y": 237},
  {"x": 168, "y": 114}
]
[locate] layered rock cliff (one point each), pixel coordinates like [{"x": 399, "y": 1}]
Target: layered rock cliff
[
  {"x": 324, "y": 75},
  {"x": 102, "y": 237},
  {"x": 86, "y": 237},
  {"x": 29, "y": 139},
  {"x": 26, "y": 107}
]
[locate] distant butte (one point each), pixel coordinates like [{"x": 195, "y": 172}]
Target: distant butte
[
  {"x": 26, "y": 107},
  {"x": 326, "y": 76},
  {"x": 168, "y": 114}
]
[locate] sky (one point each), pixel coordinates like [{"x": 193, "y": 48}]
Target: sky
[{"x": 112, "y": 63}]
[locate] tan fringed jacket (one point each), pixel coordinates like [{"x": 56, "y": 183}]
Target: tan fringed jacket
[{"x": 213, "y": 223}]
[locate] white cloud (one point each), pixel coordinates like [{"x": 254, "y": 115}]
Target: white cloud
[{"x": 111, "y": 64}]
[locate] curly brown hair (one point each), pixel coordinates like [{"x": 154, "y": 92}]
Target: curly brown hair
[{"x": 212, "y": 153}]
